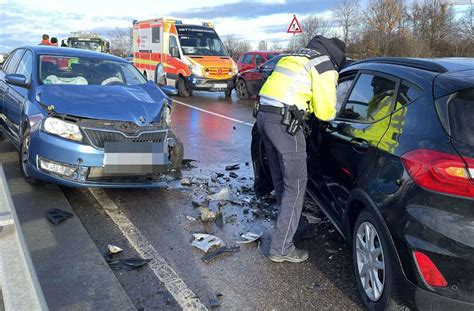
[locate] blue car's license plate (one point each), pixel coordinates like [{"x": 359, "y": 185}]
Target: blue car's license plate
[{"x": 134, "y": 158}]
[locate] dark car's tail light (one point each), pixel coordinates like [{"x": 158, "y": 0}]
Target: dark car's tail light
[
  {"x": 440, "y": 172},
  {"x": 429, "y": 271}
]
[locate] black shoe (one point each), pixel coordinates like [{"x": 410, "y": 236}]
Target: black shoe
[
  {"x": 308, "y": 233},
  {"x": 298, "y": 255}
]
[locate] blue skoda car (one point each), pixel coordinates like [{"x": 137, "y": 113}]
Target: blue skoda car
[{"x": 86, "y": 119}]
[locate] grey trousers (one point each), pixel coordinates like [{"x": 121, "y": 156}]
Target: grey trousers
[{"x": 287, "y": 161}]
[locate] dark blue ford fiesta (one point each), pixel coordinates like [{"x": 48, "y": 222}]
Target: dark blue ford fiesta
[{"x": 80, "y": 118}]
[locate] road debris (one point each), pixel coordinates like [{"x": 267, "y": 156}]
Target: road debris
[
  {"x": 127, "y": 264},
  {"x": 187, "y": 163},
  {"x": 331, "y": 251},
  {"x": 225, "y": 249},
  {"x": 233, "y": 175},
  {"x": 232, "y": 167},
  {"x": 199, "y": 203},
  {"x": 185, "y": 182},
  {"x": 206, "y": 241},
  {"x": 223, "y": 195},
  {"x": 219, "y": 175},
  {"x": 113, "y": 249},
  {"x": 191, "y": 218},
  {"x": 207, "y": 214},
  {"x": 56, "y": 215},
  {"x": 216, "y": 302},
  {"x": 311, "y": 218},
  {"x": 250, "y": 237}
]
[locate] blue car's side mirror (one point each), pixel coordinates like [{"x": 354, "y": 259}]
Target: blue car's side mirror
[
  {"x": 169, "y": 90},
  {"x": 17, "y": 79}
]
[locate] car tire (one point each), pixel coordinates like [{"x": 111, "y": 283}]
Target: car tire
[
  {"x": 378, "y": 257},
  {"x": 176, "y": 152},
  {"x": 241, "y": 89},
  {"x": 263, "y": 183},
  {"x": 182, "y": 88},
  {"x": 23, "y": 158}
]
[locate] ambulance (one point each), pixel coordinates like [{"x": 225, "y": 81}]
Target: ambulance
[{"x": 193, "y": 56}]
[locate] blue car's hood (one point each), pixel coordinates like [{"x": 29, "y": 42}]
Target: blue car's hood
[{"x": 114, "y": 102}]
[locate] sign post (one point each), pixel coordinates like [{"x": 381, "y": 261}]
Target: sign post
[{"x": 294, "y": 28}]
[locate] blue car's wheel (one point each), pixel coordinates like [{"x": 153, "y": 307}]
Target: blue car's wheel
[{"x": 24, "y": 156}]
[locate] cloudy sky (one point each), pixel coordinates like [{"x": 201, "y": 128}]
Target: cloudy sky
[{"x": 24, "y": 21}]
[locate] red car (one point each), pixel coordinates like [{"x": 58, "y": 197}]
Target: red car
[
  {"x": 250, "y": 60},
  {"x": 249, "y": 82}
]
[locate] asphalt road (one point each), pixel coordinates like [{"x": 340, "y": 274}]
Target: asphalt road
[{"x": 215, "y": 135}]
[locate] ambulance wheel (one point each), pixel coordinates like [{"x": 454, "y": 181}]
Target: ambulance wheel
[
  {"x": 183, "y": 89},
  {"x": 228, "y": 92}
]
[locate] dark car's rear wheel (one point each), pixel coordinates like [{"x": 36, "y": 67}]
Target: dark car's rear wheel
[
  {"x": 263, "y": 184},
  {"x": 24, "y": 157},
  {"x": 183, "y": 90},
  {"x": 241, "y": 89},
  {"x": 373, "y": 255}
]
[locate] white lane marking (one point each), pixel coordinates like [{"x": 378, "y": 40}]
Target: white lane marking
[
  {"x": 213, "y": 113},
  {"x": 185, "y": 297}
]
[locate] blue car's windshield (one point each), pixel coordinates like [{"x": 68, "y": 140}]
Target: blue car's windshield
[{"x": 55, "y": 69}]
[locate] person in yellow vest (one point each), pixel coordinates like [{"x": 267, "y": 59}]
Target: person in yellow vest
[{"x": 302, "y": 82}]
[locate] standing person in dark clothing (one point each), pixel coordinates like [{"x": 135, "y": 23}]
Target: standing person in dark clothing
[
  {"x": 54, "y": 41},
  {"x": 303, "y": 82}
]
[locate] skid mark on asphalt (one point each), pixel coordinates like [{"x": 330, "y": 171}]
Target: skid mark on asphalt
[
  {"x": 178, "y": 289},
  {"x": 213, "y": 113}
]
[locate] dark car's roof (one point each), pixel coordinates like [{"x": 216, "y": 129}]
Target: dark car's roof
[
  {"x": 440, "y": 73},
  {"x": 439, "y": 65},
  {"x": 51, "y": 50}
]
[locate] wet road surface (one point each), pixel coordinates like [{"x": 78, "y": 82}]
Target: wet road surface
[{"x": 245, "y": 280}]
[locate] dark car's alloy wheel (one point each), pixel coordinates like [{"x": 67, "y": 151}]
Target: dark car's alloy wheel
[
  {"x": 241, "y": 90},
  {"x": 370, "y": 261},
  {"x": 372, "y": 256}
]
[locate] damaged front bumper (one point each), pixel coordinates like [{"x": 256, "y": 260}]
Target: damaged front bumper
[{"x": 56, "y": 160}]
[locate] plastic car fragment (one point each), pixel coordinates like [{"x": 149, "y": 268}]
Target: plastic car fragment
[
  {"x": 250, "y": 237},
  {"x": 232, "y": 167},
  {"x": 56, "y": 215},
  {"x": 213, "y": 255},
  {"x": 128, "y": 264},
  {"x": 206, "y": 241},
  {"x": 113, "y": 249}
]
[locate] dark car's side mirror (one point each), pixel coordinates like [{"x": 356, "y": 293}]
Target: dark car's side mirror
[
  {"x": 169, "y": 90},
  {"x": 17, "y": 79}
]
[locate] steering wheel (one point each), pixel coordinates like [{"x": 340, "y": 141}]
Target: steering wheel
[{"x": 112, "y": 81}]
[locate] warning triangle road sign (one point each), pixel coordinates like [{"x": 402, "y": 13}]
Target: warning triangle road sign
[{"x": 294, "y": 26}]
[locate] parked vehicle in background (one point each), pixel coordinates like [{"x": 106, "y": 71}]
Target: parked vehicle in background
[
  {"x": 248, "y": 83},
  {"x": 193, "y": 56},
  {"x": 250, "y": 60},
  {"x": 394, "y": 173},
  {"x": 86, "y": 119},
  {"x": 88, "y": 41}
]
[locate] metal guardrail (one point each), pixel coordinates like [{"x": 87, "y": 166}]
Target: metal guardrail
[{"x": 19, "y": 285}]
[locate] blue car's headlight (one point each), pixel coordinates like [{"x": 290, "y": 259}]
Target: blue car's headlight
[{"x": 62, "y": 128}]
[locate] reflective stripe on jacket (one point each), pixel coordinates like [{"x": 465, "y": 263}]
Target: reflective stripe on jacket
[{"x": 308, "y": 83}]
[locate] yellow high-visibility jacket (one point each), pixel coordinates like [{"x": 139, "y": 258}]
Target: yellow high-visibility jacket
[{"x": 307, "y": 82}]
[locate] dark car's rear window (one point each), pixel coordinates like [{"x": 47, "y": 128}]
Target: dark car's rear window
[{"x": 461, "y": 116}]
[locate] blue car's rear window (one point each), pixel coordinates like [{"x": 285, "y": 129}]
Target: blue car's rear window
[{"x": 55, "y": 69}]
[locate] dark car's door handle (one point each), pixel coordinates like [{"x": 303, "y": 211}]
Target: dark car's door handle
[{"x": 359, "y": 145}]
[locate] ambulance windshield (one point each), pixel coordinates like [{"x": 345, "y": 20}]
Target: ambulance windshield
[{"x": 197, "y": 40}]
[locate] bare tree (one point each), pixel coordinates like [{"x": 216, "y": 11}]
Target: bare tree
[
  {"x": 262, "y": 45},
  {"x": 347, "y": 14},
  {"x": 276, "y": 46},
  {"x": 121, "y": 41},
  {"x": 311, "y": 26},
  {"x": 236, "y": 46},
  {"x": 467, "y": 23}
]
